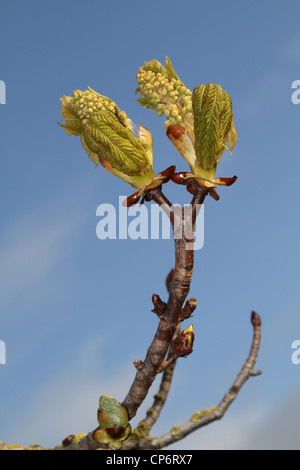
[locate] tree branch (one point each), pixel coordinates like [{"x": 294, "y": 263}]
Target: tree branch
[
  {"x": 170, "y": 315},
  {"x": 206, "y": 417},
  {"x": 160, "y": 398},
  {"x": 179, "y": 289}
]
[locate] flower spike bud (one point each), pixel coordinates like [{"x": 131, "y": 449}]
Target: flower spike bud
[
  {"x": 183, "y": 344},
  {"x": 164, "y": 92},
  {"x": 213, "y": 127}
]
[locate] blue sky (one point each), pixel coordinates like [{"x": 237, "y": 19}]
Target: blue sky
[{"x": 75, "y": 311}]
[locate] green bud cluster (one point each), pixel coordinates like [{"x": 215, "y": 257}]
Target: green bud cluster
[
  {"x": 164, "y": 92},
  {"x": 87, "y": 103}
]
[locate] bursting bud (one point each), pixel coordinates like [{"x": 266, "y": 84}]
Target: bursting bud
[
  {"x": 213, "y": 126},
  {"x": 183, "y": 344},
  {"x": 111, "y": 413},
  {"x": 107, "y": 136},
  {"x": 113, "y": 423},
  {"x": 199, "y": 124}
]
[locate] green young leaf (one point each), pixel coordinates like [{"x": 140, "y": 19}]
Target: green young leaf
[
  {"x": 104, "y": 137},
  {"x": 146, "y": 102},
  {"x": 213, "y": 126},
  {"x": 170, "y": 71}
]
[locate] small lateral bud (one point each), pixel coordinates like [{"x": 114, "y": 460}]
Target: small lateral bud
[
  {"x": 183, "y": 344},
  {"x": 67, "y": 441},
  {"x": 189, "y": 308},
  {"x": 169, "y": 279},
  {"x": 160, "y": 307},
  {"x": 138, "y": 364}
]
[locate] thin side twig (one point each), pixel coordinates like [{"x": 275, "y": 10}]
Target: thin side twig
[{"x": 160, "y": 399}]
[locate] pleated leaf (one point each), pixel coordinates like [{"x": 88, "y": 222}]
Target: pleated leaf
[
  {"x": 213, "y": 121},
  {"x": 105, "y": 137}
]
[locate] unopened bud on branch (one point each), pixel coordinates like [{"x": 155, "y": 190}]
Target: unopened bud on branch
[
  {"x": 113, "y": 423},
  {"x": 183, "y": 344}
]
